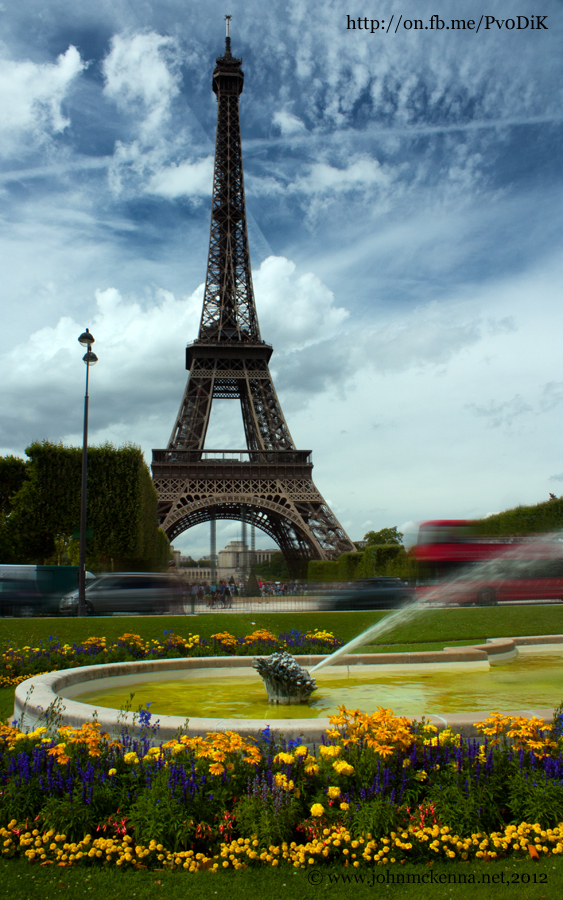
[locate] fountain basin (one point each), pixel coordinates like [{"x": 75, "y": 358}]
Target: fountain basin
[{"x": 36, "y": 694}]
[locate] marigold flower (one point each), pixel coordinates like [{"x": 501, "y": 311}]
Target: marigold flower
[
  {"x": 330, "y": 750},
  {"x": 342, "y": 767},
  {"x": 317, "y": 809}
]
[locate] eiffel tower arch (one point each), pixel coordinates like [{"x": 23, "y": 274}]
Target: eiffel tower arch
[{"x": 269, "y": 483}]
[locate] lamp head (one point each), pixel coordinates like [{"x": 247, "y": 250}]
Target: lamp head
[
  {"x": 90, "y": 358},
  {"x": 86, "y": 339}
]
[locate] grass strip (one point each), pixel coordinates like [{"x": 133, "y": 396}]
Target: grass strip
[
  {"x": 431, "y": 626},
  {"x": 504, "y": 880}
]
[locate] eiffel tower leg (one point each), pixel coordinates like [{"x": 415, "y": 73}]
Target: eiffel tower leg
[{"x": 191, "y": 424}]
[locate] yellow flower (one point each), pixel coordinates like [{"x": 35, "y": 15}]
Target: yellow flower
[
  {"x": 342, "y": 767},
  {"x": 131, "y": 759},
  {"x": 317, "y": 809},
  {"x": 333, "y": 792},
  {"x": 112, "y": 772},
  {"x": 330, "y": 750},
  {"x": 284, "y": 758},
  {"x": 344, "y": 806}
]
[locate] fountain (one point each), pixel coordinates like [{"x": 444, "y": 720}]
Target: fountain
[
  {"x": 286, "y": 682},
  {"x": 306, "y": 715},
  {"x": 223, "y": 691}
]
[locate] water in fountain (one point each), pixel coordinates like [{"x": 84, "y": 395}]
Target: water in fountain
[{"x": 490, "y": 570}]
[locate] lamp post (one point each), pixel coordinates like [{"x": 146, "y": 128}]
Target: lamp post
[{"x": 90, "y": 359}]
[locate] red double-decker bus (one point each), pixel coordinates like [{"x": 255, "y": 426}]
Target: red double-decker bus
[{"x": 457, "y": 565}]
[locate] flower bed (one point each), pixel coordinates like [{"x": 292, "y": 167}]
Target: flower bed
[
  {"x": 379, "y": 789},
  {"x": 19, "y": 663}
]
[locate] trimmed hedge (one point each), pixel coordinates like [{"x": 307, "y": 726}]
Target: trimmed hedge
[{"x": 122, "y": 508}]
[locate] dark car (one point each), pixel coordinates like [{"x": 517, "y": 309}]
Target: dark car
[
  {"x": 127, "y": 592},
  {"x": 20, "y": 597},
  {"x": 370, "y": 593}
]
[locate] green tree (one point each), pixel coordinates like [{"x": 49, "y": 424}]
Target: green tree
[
  {"x": 274, "y": 570},
  {"x": 347, "y": 565},
  {"x": 542, "y": 517},
  {"x": 383, "y": 554},
  {"x": 122, "y": 509},
  {"x": 323, "y": 570},
  {"x": 12, "y": 476},
  {"x": 384, "y": 536}
]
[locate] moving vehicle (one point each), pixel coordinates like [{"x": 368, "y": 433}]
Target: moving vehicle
[
  {"x": 19, "y": 597},
  {"x": 35, "y": 590},
  {"x": 456, "y": 565},
  {"x": 369, "y": 593},
  {"x": 127, "y": 592}
]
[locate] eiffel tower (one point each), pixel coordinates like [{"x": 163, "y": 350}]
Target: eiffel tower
[{"x": 269, "y": 484}]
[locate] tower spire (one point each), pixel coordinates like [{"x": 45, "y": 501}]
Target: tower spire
[{"x": 228, "y": 37}]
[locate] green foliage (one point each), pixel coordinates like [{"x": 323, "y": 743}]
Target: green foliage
[
  {"x": 252, "y": 589},
  {"x": 384, "y": 536},
  {"x": 160, "y": 814},
  {"x": 322, "y": 570},
  {"x": 71, "y": 816},
  {"x": 122, "y": 509},
  {"x": 274, "y": 570},
  {"x": 270, "y": 815},
  {"x": 379, "y": 558},
  {"x": 540, "y": 518},
  {"x": 347, "y": 565},
  {"x": 377, "y": 817},
  {"x": 466, "y": 807},
  {"x": 535, "y": 798},
  {"x": 12, "y": 476}
]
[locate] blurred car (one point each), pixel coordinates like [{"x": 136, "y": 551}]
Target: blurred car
[
  {"x": 32, "y": 590},
  {"x": 369, "y": 593},
  {"x": 20, "y": 597},
  {"x": 126, "y": 592}
]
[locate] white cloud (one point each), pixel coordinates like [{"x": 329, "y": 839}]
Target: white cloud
[
  {"x": 32, "y": 94},
  {"x": 295, "y": 310},
  {"x": 186, "y": 179},
  {"x": 360, "y": 174},
  {"x": 141, "y": 70},
  {"x": 142, "y": 77},
  {"x": 288, "y": 123}
]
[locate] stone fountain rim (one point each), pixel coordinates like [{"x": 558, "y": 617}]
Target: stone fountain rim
[{"x": 36, "y": 694}]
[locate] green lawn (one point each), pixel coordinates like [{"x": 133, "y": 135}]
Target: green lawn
[
  {"x": 21, "y": 881},
  {"x": 432, "y": 626}
]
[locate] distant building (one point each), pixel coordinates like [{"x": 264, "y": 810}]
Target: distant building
[
  {"x": 231, "y": 559},
  {"x": 196, "y": 574},
  {"x": 230, "y": 562}
]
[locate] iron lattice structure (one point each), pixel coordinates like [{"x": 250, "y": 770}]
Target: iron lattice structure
[{"x": 269, "y": 484}]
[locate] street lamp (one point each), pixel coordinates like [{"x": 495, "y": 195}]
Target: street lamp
[{"x": 90, "y": 358}]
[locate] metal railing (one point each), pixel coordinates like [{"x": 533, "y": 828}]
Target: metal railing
[{"x": 278, "y": 457}]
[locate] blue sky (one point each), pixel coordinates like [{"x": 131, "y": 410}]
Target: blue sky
[{"x": 404, "y": 196}]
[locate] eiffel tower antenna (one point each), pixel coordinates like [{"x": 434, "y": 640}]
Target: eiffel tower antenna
[{"x": 270, "y": 483}]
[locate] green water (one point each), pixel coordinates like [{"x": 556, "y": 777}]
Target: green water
[{"x": 526, "y": 683}]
